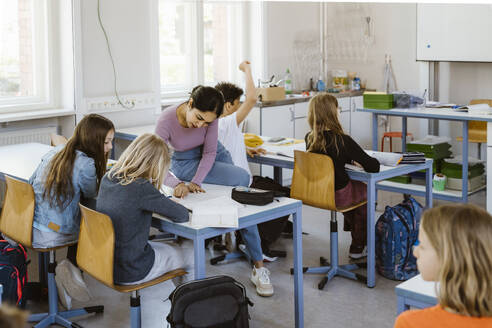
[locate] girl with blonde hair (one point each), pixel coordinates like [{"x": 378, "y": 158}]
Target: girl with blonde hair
[
  {"x": 327, "y": 137},
  {"x": 455, "y": 250},
  {"x": 129, "y": 194}
]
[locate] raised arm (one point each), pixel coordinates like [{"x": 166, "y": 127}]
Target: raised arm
[{"x": 250, "y": 100}]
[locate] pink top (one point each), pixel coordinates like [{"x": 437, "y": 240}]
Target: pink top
[{"x": 182, "y": 139}]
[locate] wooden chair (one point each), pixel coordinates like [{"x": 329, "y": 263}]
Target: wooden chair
[
  {"x": 16, "y": 223},
  {"x": 477, "y": 130},
  {"x": 95, "y": 255},
  {"x": 313, "y": 182},
  {"x": 57, "y": 139}
]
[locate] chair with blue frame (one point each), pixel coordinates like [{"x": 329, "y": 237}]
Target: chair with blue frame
[
  {"x": 313, "y": 182},
  {"x": 16, "y": 223},
  {"x": 95, "y": 255}
]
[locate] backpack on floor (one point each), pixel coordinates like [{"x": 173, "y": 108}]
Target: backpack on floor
[
  {"x": 396, "y": 233},
  {"x": 271, "y": 230},
  {"x": 13, "y": 272},
  {"x": 218, "y": 302}
]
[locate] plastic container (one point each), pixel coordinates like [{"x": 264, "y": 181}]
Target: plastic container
[
  {"x": 288, "y": 82},
  {"x": 378, "y": 100},
  {"x": 355, "y": 84},
  {"x": 340, "y": 79}
]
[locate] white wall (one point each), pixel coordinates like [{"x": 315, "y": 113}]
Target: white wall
[{"x": 132, "y": 30}]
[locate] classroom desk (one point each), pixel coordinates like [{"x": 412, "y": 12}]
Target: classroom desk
[
  {"x": 429, "y": 113},
  {"x": 248, "y": 215},
  {"x": 21, "y": 160},
  {"x": 415, "y": 292},
  {"x": 371, "y": 179}
]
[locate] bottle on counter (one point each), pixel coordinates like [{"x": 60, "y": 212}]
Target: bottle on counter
[
  {"x": 320, "y": 85},
  {"x": 288, "y": 82},
  {"x": 355, "y": 84}
]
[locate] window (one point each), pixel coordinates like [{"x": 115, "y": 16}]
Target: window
[
  {"x": 24, "y": 78},
  {"x": 200, "y": 43}
]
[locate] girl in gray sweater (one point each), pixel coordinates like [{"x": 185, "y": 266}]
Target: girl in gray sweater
[{"x": 129, "y": 194}]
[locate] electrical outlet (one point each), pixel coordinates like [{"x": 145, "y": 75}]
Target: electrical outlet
[{"x": 132, "y": 101}]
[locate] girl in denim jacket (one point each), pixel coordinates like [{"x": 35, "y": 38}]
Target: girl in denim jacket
[{"x": 66, "y": 175}]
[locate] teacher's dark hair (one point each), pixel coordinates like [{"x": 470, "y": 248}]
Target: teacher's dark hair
[{"x": 207, "y": 99}]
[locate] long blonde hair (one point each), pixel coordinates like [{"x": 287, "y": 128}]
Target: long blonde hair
[
  {"x": 462, "y": 238},
  {"x": 323, "y": 116},
  {"x": 147, "y": 157}
]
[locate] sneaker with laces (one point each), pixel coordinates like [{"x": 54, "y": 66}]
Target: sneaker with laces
[
  {"x": 260, "y": 277},
  {"x": 358, "y": 254},
  {"x": 71, "y": 278},
  {"x": 63, "y": 296}
]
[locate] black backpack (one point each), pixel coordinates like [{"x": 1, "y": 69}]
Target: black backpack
[
  {"x": 214, "y": 302},
  {"x": 13, "y": 272}
]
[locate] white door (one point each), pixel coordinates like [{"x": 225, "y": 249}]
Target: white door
[
  {"x": 277, "y": 121},
  {"x": 301, "y": 126},
  {"x": 344, "y": 104},
  {"x": 361, "y": 124}
]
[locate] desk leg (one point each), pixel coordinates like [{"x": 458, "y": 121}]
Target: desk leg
[
  {"x": 199, "y": 248},
  {"x": 404, "y": 134},
  {"x": 298, "y": 290},
  {"x": 400, "y": 305},
  {"x": 464, "y": 173},
  {"x": 428, "y": 187},
  {"x": 374, "y": 131},
  {"x": 277, "y": 174},
  {"x": 371, "y": 231}
]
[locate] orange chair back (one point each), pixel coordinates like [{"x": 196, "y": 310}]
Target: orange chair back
[
  {"x": 313, "y": 180},
  {"x": 18, "y": 211},
  {"x": 95, "y": 251},
  {"x": 477, "y": 130}
]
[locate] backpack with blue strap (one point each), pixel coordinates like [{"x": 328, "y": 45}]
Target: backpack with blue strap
[{"x": 396, "y": 233}]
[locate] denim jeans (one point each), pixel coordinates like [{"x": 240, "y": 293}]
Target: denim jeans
[{"x": 184, "y": 165}]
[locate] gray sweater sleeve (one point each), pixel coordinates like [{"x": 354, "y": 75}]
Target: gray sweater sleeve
[{"x": 154, "y": 201}]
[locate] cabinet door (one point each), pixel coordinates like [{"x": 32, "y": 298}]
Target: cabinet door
[
  {"x": 344, "y": 104},
  {"x": 361, "y": 124},
  {"x": 277, "y": 121},
  {"x": 301, "y": 126}
]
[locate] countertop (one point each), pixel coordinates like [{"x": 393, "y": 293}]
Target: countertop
[{"x": 298, "y": 98}]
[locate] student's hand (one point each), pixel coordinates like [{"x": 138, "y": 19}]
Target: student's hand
[
  {"x": 244, "y": 65},
  {"x": 253, "y": 152},
  {"x": 193, "y": 187},
  {"x": 357, "y": 164},
  {"x": 181, "y": 190}
]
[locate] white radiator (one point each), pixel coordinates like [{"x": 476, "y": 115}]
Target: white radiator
[{"x": 18, "y": 136}]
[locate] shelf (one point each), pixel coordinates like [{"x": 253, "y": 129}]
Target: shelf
[{"x": 420, "y": 190}]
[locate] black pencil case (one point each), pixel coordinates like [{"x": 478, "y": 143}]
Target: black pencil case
[{"x": 252, "y": 196}]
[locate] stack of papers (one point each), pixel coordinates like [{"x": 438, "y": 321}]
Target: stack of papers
[
  {"x": 220, "y": 212},
  {"x": 475, "y": 109}
]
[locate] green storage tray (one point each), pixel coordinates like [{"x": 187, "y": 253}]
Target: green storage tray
[{"x": 378, "y": 100}]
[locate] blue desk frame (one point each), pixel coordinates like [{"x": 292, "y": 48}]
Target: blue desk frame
[
  {"x": 371, "y": 180},
  {"x": 199, "y": 235},
  {"x": 406, "y": 299},
  {"x": 428, "y": 114}
]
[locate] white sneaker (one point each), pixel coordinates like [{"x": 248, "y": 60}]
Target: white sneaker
[
  {"x": 356, "y": 256},
  {"x": 72, "y": 280},
  {"x": 260, "y": 277},
  {"x": 63, "y": 296}
]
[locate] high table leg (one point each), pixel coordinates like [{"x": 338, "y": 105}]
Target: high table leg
[
  {"x": 374, "y": 131},
  {"x": 404, "y": 134},
  {"x": 277, "y": 174},
  {"x": 298, "y": 290},
  {"x": 428, "y": 186},
  {"x": 371, "y": 231},
  {"x": 199, "y": 249},
  {"x": 464, "y": 173}
]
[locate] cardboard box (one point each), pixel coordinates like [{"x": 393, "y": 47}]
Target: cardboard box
[{"x": 270, "y": 94}]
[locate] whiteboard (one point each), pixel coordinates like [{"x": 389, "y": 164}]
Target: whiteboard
[{"x": 454, "y": 32}]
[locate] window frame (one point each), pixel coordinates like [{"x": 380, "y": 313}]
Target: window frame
[
  {"x": 237, "y": 47},
  {"x": 42, "y": 59}
]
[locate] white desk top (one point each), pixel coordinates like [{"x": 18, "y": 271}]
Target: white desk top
[
  {"x": 137, "y": 130},
  {"x": 215, "y": 191},
  {"x": 444, "y": 113},
  {"x": 419, "y": 286},
  {"x": 22, "y": 160}
]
